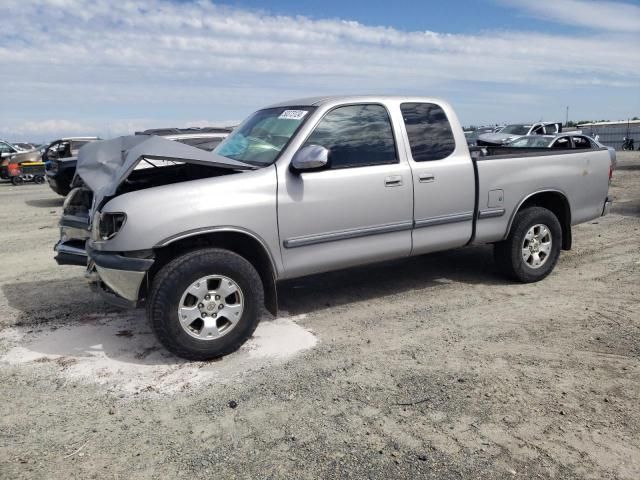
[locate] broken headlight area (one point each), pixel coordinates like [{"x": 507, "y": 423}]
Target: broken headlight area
[{"x": 109, "y": 225}]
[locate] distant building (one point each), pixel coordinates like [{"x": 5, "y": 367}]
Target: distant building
[{"x": 612, "y": 133}]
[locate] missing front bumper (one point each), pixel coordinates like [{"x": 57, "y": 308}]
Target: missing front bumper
[
  {"x": 120, "y": 278},
  {"x": 70, "y": 254},
  {"x": 97, "y": 285},
  {"x": 125, "y": 284}
]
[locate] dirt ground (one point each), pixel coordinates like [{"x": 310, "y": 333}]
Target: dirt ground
[{"x": 433, "y": 367}]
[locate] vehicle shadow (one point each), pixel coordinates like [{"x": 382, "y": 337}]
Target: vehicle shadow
[
  {"x": 46, "y": 202},
  {"x": 63, "y": 318},
  {"x": 471, "y": 265},
  {"x": 631, "y": 167},
  {"x": 627, "y": 209}
]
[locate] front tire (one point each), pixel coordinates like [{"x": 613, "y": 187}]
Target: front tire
[
  {"x": 205, "y": 304},
  {"x": 532, "y": 249}
]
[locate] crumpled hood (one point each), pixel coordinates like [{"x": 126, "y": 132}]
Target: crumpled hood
[{"x": 104, "y": 165}]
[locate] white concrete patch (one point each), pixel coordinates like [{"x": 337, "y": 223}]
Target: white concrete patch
[{"x": 119, "y": 351}]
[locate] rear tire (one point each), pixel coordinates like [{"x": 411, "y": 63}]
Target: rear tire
[
  {"x": 170, "y": 302},
  {"x": 530, "y": 253},
  {"x": 38, "y": 179},
  {"x": 17, "y": 180}
]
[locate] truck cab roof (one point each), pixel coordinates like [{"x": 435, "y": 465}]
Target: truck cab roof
[{"x": 343, "y": 99}]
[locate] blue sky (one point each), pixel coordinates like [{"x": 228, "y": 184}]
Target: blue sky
[
  {"x": 459, "y": 16},
  {"x": 109, "y": 68}
]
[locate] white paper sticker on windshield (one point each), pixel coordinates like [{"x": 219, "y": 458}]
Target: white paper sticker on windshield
[{"x": 293, "y": 114}]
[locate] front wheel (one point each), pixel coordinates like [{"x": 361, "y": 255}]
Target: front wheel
[
  {"x": 532, "y": 249},
  {"x": 17, "y": 180},
  {"x": 205, "y": 304}
]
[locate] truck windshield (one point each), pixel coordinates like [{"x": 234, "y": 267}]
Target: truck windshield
[
  {"x": 516, "y": 129},
  {"x": 261, "y": 137}
]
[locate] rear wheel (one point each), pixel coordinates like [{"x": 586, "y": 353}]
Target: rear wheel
[
  {"x": 205, "y": 304},
  {"x": 39, "y": 179},
  {"x": 532, "y": 249},
  {"x": 17, "y": 180}
]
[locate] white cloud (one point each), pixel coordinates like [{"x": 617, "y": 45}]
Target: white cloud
[
  {"x": 47, "y": 128},
  {"x": 53, "y": 128},
  {"x": 595, "y": 14},
  {"x": 101, "y": 64}
]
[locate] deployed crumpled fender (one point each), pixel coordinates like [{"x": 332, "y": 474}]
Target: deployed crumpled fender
[{"x": 104, "y": 165}]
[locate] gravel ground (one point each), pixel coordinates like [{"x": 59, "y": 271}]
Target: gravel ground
[{"x": 432, "y": 367}]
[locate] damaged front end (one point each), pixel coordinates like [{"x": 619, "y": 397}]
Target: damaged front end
[
  {"x": 118, "y": 278},
  {"x": 107, "y": 170},
  {"x": 74, "y": 228}
]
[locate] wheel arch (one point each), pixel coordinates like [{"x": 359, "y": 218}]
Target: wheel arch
[
  {"x": 556, "y": 202},
  {"x": 243, "y": 242}
]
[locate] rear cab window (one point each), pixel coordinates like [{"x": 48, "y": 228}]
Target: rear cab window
[{"x": 429, "y": 131}]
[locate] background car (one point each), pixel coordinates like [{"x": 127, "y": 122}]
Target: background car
[
  {"x": 14, "y": 154},
  {"x": 576, "y": 141},
  {"x": 60, "y": 162},
  {"x": 540, "y": 141},
  {"x": 472, "y": 135},
  {"x": 567, "y": 140},
  {"x": 8, "y": 149},
  {"x": 205, "y": 138},
  {"x": 515, "y": 130},
  {"x": 26, "y": 145}
]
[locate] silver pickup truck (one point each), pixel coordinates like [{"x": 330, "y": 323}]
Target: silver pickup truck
[{"x": 309, "y": 186}]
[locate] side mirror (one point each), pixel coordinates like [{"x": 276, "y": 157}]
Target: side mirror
[{"x": 309, "y": 158}]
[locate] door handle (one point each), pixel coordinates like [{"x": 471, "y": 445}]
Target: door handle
[
  {"x": 426, "y": 177},
  {"x": 393, "y": 181}
]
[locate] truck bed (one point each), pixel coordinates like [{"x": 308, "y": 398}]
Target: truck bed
[{"x": 502, "y": 174}]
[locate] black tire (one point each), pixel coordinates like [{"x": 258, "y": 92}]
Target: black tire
[
  {"x": 172, "y": 281},
  {"x": 39, "y": 179},
  {"x": 508, "y": 253},
  {"x": 17, "y": 180}
]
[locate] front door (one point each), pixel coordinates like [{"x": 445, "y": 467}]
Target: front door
[{"x": 357, "y": 210}]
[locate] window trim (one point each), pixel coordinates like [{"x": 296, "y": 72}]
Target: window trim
[
  {"x": 406, "y": 132},
  {"x": 353, "y": 104}
]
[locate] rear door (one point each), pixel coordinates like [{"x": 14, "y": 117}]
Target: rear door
[
  {"x": 443, "y": 179},
  {"x": 359, "y": 210}
]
